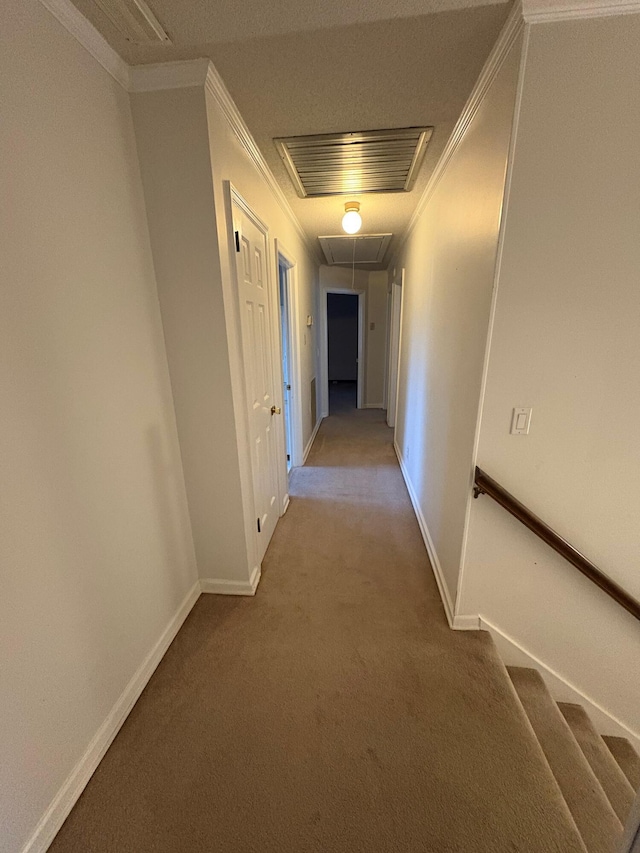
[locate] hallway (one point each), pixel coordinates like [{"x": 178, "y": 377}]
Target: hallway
[
  {"x": 335, "y": 711},
  {"x": 343, "y": 397}
]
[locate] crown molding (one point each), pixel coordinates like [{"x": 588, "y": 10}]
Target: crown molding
[
  {"x": 545, "y": 11},
  {"x": 173, "y": 75},
  {"x": 168, "y": 75},
  {"x": 214, "y": 84},
  {"x": 88, "y": 36},
  {"x": 512, "y": 28}
]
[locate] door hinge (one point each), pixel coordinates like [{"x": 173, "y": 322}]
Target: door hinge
[
  {"x": 288, "y": 387},
  {"x": 258, "y": 525},
  {"x": 237, "y": 241},
  {"x": 288, "y": 457}
]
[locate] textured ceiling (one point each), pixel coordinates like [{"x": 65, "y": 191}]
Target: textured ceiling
[{"x": 313, "y": 69}]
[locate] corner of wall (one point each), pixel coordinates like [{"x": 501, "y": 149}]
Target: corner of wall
[
  {"x": 183, "y": 225},
  {"x": 71, "y": 789},
  {"x": 460, "y": 603}
]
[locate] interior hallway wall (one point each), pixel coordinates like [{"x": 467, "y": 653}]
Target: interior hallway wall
[
  {"x": 96, "y": 547},
  {"x": 376, "y": 337},
  {"x": 173, "y": 145},
  {"x": 565, "y": 342},
  {"x": 449, "y": 260}
]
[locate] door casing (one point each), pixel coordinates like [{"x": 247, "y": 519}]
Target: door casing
[
  {"x": 394, "y": 352},
  {"x": 282, "y": 255},
  {"x": 324, "y": 337}
]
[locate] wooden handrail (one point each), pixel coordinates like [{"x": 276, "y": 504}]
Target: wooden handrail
[{"x": 485, "y": 485}]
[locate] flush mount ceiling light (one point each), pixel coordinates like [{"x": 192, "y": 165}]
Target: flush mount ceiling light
[{"x": 351, "y": 221}]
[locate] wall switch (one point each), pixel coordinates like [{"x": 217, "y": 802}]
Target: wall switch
[{"x": 520, "y": 421}]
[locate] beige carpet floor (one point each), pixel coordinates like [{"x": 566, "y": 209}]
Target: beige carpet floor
[{"x": 336, "y": 710}]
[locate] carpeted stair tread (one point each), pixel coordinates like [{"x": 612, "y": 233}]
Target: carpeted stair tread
[
  {"x": 631, "y": 839},
  {"x": 627, "y": 758},
  {"x": 597, "y": 823},
  {"x": 614, "y": 783}
]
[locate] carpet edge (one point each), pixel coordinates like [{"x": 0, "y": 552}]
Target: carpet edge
[
  {"x": 443, "y": 589},
  {"x": 75, "y": 783}
]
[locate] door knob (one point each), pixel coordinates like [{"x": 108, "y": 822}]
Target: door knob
[{"x": 275, "y": 410}]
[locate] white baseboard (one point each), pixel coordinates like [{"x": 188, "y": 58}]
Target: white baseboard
[
  {"x": 373, "y": 406},
  {"x": 285, "y": 504},
  {"x": 227, "y": 587},
  {"x": 428, "y": 542},
  {"x": 75, "y": 783},
  {"x": 562, "y": 690},
  {"x": 307, "y": 449},
  {"x": 466, "y": 623}
]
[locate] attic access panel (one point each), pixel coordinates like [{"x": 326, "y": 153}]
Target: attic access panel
[
  {"x": 368, "y": 161},
  {"x": 134, "y": 20},
  {"x": 369, "y": 248}
]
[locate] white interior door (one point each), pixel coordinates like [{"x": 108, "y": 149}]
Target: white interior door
[{"x": 257, "y": 348}]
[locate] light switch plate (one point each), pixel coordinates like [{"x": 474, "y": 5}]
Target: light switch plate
[{"x": 521, "y": 421}]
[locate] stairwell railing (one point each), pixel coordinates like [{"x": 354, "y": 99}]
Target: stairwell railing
[{"x": 485, "y": 485}]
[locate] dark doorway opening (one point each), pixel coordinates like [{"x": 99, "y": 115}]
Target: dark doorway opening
[{"x": 342, "y": 335}]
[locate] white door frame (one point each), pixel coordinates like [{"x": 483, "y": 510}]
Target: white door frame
[
  {"x": 324, "y": 343},
  {"x": 395, "y": 332},
  {"x": 387, "y": 351},
  {"x": 295, "y": 374}
]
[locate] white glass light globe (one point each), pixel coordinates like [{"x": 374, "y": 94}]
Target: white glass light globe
[{"x": 351, "y": 222}]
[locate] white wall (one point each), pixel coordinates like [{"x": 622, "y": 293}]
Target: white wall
[
  {"x": 449, "y": 261},
  {"x": 376, "y": 338},
  {"x": 565, "y": 341},
  {"x": 173, "y": 144},
  {"x": 96, "y": 545}
]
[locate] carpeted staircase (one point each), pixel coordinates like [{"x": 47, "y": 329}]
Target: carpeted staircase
[{"x": 597, "y": 776}]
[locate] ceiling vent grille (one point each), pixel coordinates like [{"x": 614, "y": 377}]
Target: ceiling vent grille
[
  {"x": 363, "y": 249},
  {"x": 134, "y": 20},
  {"x": 370, "y": 161}
]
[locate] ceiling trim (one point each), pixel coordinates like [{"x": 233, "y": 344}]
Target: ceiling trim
[
  {"x": 173, "y": 75},
  {"x": 523, "y": 11},
  {"x": 214, "y": 84},
  {"x": 545, "y": 11},
  {"x": 533, "y": 11},
  {"x": 510, "y": 32},
  {"x": 88, "y": 36}
]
